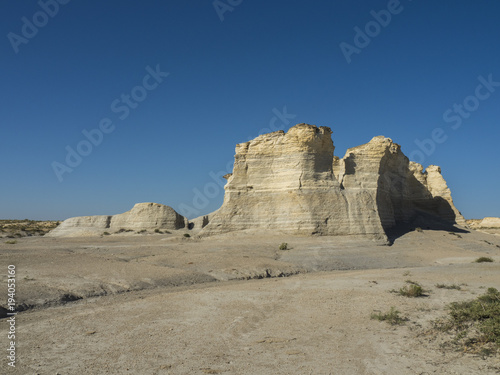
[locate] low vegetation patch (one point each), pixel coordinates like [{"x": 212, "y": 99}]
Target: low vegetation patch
[
  {"x": 413, "y": 290},
  {"x": 121, "y": 230},
  {"x": 106, "y": 233},
  {"x": 26, "y": 227},
  {"x": 418, "y": 229},
  {"x": 392, "y": 317},
  {"x": 452, "y": 286},
  {"x": 476, "y": 323},
  {"x": 187, "y": 235},
  {"x": 11, "y": 242},
  {"x": 284, "y": 246},
  {"x": 484, "y": 260}
]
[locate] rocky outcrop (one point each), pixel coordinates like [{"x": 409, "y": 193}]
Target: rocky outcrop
[
  {"x": 148, "y": 216},
  {"x": 81, "y": 226},
  {"x": 285, "y": 181},
  {"x": 292, "y": 182},
  {"x": 486, "y": 223}
]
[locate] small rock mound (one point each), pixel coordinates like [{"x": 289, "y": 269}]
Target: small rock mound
[{"x": 148, "y": 216}]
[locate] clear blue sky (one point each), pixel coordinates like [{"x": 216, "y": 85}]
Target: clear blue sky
[{"x": 225, "y": 79}]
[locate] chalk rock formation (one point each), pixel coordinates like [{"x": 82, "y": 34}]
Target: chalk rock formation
[
  {"x": 292, "y": 182},
  {"x": 147, "y": 216},
  {"x": 486, "y": 223},
  {"x": 81, "y": 226},
  {"x": 285, "y": 181}
]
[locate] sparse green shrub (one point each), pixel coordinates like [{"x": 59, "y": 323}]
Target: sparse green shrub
[
  {"x": 142, "y": 231},
  {"x": 412, "y": 290},
  {"x": 12, "y": 242},
  {"x": 392, "y": 317},
  {"x": 106, "y": 233},
  {"x": 483, "y": 260},
  {"x": 418, "y": 229},
  {"x": 476, "y": 323},
  {"x": 444, "y": 286},
  {"x": 187, "y": 235},
  {"x": 284, "y": 246},
  {"x": 158, "y": 231}
]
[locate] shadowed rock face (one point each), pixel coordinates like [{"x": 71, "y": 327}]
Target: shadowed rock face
[{"x": 292, "y": 182}]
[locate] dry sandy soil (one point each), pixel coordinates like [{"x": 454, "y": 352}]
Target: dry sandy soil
[{"x": 236, "y": 304}]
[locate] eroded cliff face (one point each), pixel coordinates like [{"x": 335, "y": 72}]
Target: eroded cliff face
[
  {"x": 285, "y": 181},
  {"x": 292, "y": 182}
]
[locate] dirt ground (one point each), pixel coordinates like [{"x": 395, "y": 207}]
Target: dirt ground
[{"x": 236, "y": 304}]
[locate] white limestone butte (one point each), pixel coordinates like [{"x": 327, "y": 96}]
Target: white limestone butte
[{"x": 292, "y": 182}]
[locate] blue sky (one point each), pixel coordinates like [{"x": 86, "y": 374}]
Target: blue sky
[{"x": 218, "y": 77}]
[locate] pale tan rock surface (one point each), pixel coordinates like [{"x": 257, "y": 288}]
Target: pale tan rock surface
[
  {"x": 148, "y": 216},
  {"x": 81, "y": 226}
]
